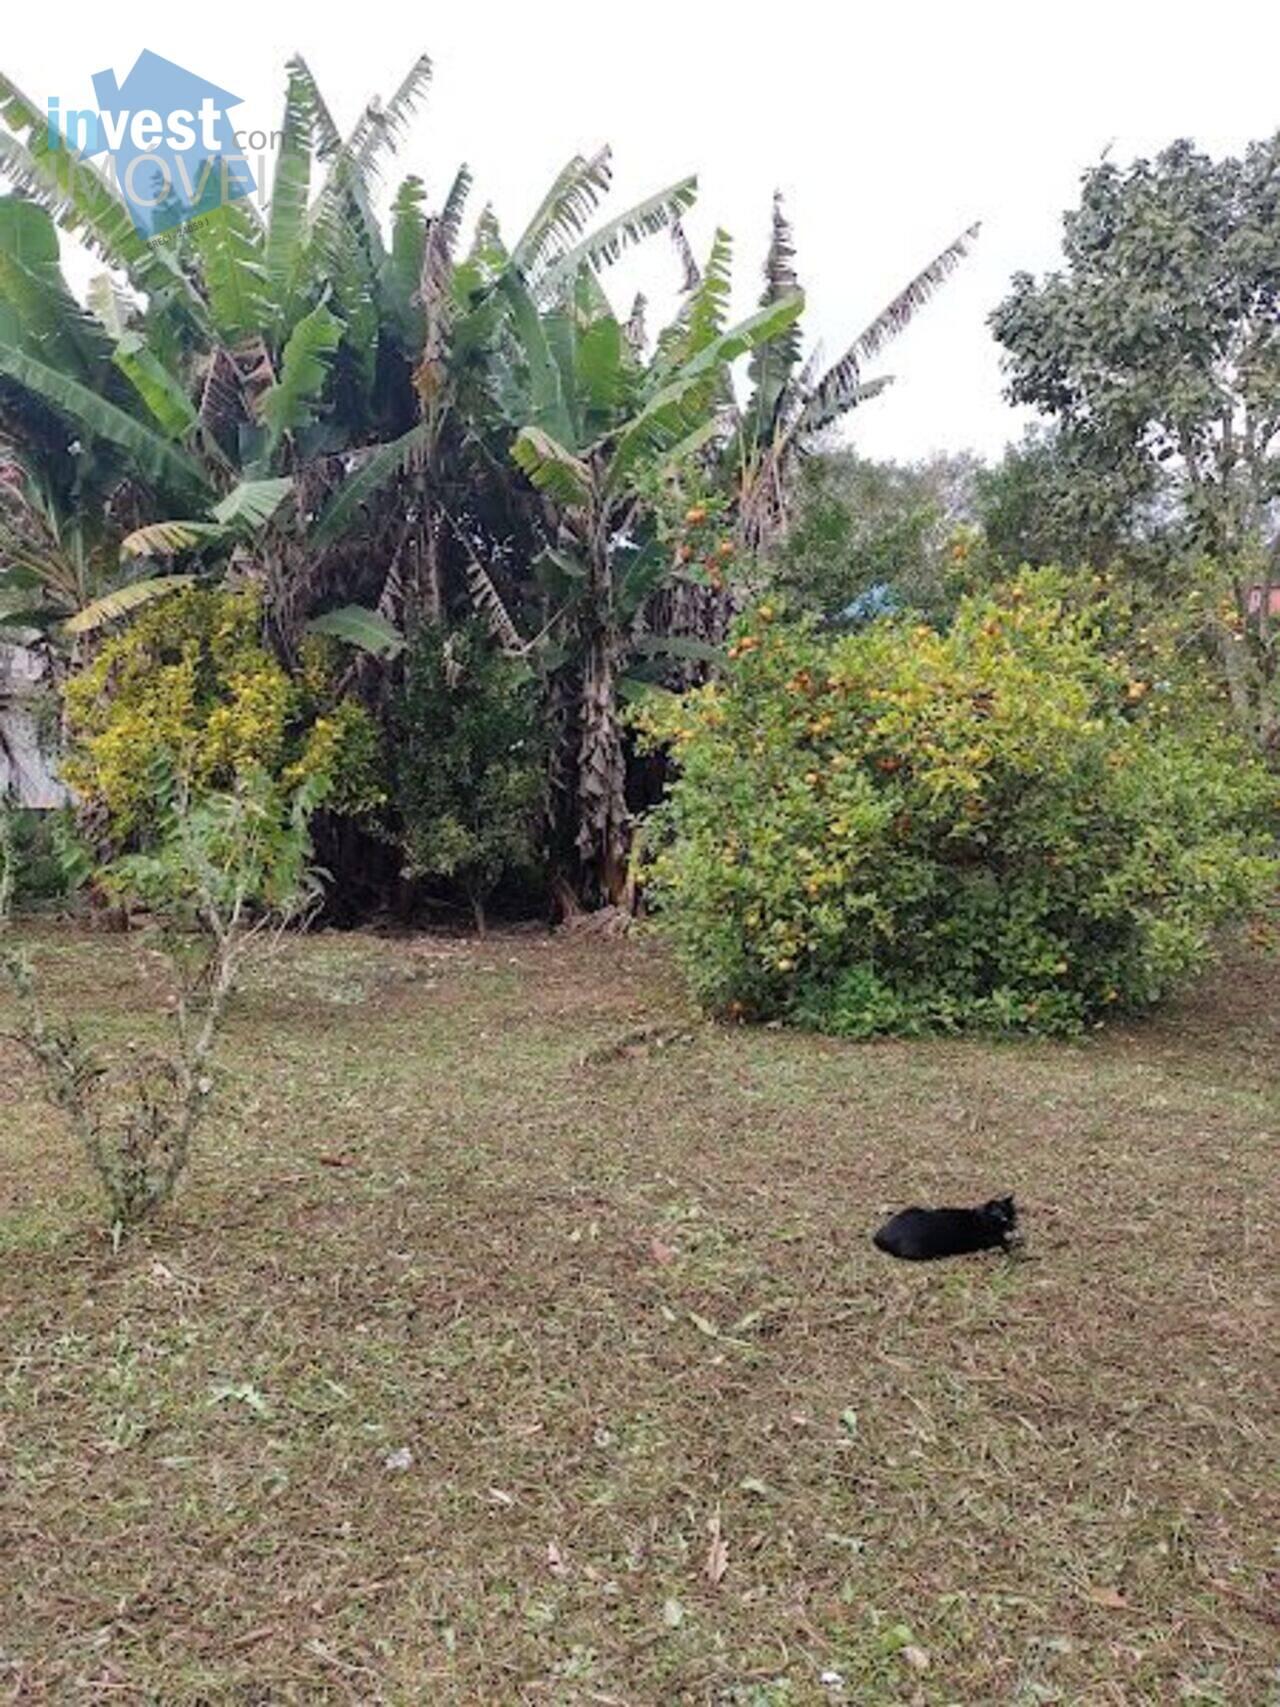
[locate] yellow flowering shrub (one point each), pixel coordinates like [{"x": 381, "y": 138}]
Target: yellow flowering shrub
[{"x": 192, "y": 683}]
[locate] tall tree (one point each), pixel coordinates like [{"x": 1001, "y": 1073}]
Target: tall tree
[
  {"x": 1156, "y": 349},
  {"x": 1157, "y": 345},
  {"x": 1053, "y": 498}
]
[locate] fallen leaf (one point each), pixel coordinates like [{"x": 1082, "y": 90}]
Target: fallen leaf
[
  {"x": 1110, "y": 1598},
  {"x": 661, "y": 1254},
  {"x": 500, "y": 1496},
  {"x": 915, "y": 1657},
  {"x": 718, "y": 1552},
  {"x": 706, "y": 1326},
  {"x": 555, "y": 1560}
]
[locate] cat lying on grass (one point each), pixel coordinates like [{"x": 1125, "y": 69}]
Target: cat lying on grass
[{"x": 920, "y": 1235}]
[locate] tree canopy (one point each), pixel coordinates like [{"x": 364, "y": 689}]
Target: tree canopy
[{"x": 1156, "y": 346}]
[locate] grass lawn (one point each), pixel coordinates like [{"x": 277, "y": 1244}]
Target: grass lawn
[{"x": 517, "y": 1338}]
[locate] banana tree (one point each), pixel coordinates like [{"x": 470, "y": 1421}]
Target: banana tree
[
  {"x": 301, "y": 342},
  {"x": 467, "y": 318},
  {"x": 601, "y": 430},
  {"x": 244, "y": 340},
  {"x": 793, "y": 402},
  {"x": 78, "y": 452},
  {"x": 54, "y": 559},
  {"x": 91, "y": 418}
]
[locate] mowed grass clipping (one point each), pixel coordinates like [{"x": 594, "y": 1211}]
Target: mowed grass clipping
[{"x": 516, "y": 1337}]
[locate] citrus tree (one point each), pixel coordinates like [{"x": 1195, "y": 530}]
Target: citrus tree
[{"x": 996, "y": 826}]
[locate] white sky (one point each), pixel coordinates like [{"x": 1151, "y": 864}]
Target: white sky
[{"x": 888, "y": 129}]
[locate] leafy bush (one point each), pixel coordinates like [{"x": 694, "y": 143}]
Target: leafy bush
[
  {"x": 904, "y": 830},
  {"x": 43, "y": 851},
  {"x": 470, "y": 767},
  {"x": 190, "y": 684}
]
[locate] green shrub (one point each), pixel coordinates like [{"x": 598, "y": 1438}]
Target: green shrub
[
  {"x": 904, "y": 830},
  {"x": 470, "y": 763},
  {"x": 41, "y": 856}
]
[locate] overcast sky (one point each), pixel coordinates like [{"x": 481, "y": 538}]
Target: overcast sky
[{"x": 888, "y": 129}]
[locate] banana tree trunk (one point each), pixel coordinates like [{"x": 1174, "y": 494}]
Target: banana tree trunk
[
  {"x": 602, "y": 805},
  {"x": 603, "y": 823},
  {"x": 432, "y": 590}
]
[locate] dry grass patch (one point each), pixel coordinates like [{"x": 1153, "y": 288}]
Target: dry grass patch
[{"x": 481, "y": 1361}]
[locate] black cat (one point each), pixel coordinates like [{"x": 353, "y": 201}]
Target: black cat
[{"x": 919, "y": 1235}]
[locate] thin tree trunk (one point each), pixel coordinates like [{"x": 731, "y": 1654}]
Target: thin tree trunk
[
  {"x": 1235, "y": 668},
  {"x": 476, "y": 898}
]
